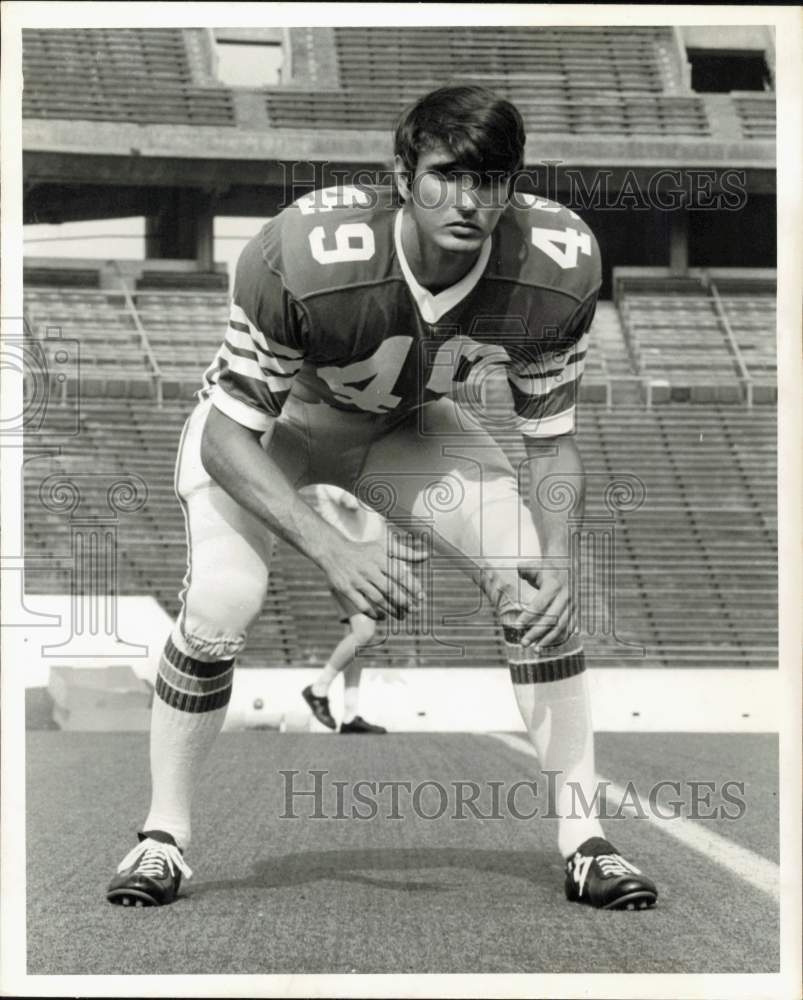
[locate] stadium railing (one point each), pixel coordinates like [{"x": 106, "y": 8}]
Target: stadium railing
[{"x": 685, "y": 341}]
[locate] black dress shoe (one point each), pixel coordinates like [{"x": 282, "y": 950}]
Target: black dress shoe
[
  {"x": 359, "y": 725},
  {"x": 320, "y": 707}
]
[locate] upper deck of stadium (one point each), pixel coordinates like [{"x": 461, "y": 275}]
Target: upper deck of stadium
[{"x": 142, "y": 105}]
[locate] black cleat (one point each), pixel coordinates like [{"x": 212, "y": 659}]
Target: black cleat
[
  {"x": 320, "y": 707},
  {"x": 359, "y": 725},
  {"x": 150, "y": 875},
  {"x": 597, "y": 875}
]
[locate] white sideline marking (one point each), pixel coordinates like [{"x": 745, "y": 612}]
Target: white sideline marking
[{"x": 758, "y": 872}]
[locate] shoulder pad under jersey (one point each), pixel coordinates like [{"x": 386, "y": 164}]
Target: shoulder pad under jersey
[
  {"x": 546, "y": 244},
  {"x": 333, "y": 238}
]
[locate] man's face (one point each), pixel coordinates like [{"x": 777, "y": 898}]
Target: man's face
[{"x": 453, "y": 207}]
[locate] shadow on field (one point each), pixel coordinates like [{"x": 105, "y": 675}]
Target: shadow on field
[{"x": 367, "y": 866}]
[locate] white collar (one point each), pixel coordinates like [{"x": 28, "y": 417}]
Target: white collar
[{"x": 432, "y": 307}]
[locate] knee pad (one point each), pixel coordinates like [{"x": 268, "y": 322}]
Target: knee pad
[
  {"x": 193, "y": 638},
  {"x": 216, "y": 617}
]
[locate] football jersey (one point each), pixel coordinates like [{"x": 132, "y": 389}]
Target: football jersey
[{"x": 325, "y": 302}]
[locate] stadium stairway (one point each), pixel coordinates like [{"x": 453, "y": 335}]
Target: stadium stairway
[{"x": 184, "y": 329}]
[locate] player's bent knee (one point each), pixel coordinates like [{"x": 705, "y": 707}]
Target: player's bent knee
[
  {"x": 363, "y": 629},
  {"x": 217, "y": 618},
  {"x": 199, "y": 639}
]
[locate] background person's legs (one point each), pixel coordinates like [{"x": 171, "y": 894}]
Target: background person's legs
[{"x": 361, "y": 631}]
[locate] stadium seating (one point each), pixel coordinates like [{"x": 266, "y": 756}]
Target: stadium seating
[
  {"x": 699, "y": 337},
  {"x": 619, "y": 59},
  {"x": 112, "y": 358},
  {"x": 578, "y": 81},
  {"x": 756, "y": 114},
  {"x": 599, "y": 81},
  {"x": 678, "y": 339},
  {"x": 695, "y": 565},
  {"x": 117, "y": 74},
  {"x": 151, "y": 343},
  {"x": 556, "y": 113},
  {"x": 752, "y": 318},
  {"x": 185, "y": 330}
]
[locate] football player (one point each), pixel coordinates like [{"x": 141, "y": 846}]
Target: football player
[
  {"x": 356, "y": 314},
  {"x": 360, "y": 523}
]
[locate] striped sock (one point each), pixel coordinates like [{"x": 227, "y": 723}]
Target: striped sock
[
  {"x": 552, "y": 694},
  {"x": 188, "y": 712}
]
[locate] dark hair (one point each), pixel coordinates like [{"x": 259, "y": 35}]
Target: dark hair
[{"x": 484, "y": 132}]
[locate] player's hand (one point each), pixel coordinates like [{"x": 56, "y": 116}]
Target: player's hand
[
  {"x": 377, "y": 577},
  {"x": 546, "y": 616}
]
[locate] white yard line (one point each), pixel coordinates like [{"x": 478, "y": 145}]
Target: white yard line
[{"x": 752, "y": 868}]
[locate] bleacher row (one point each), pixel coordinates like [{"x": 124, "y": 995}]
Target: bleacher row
[
  {"x": 577, "y": 81},
  {"x": 678, "y": 339},
  {"x": 117, "y": 74},
  {"x": 690, "y": 338},
  {"x": 580, "y": 81},
  {"x": 152, "y": 343},
  {"x": 587, "y": 58},
  {"x": 695, "y": 564},
  {"x": 556, "y": 113}
]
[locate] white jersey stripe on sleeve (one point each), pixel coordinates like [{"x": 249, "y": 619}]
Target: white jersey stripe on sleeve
[
  {"x": 269, "y": 346},
  {"x": 249, "y": 368},
  {"x": 278, "y": 350},
  {"x": 244, "y": 414},
  {"x": 246, "y": 346}
]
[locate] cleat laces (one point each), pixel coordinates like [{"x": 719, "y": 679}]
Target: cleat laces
[
  {"x": 610, "y": 866},
  {"x": 154, "y": 858}
]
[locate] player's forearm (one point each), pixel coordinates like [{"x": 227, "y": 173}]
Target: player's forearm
[
  {"x": 234, "y": 458},
  {"x": 558, "y": 458}
]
